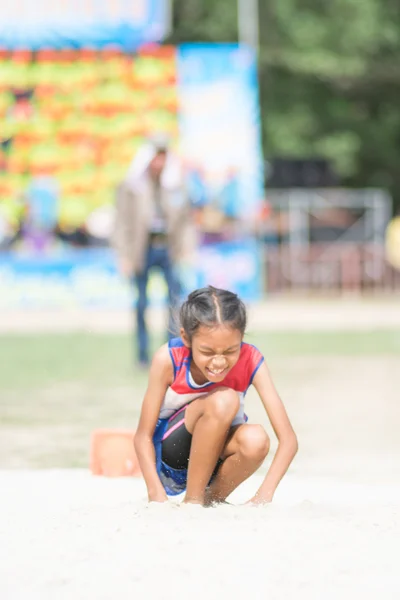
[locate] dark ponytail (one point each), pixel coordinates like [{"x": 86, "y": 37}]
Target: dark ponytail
[{"x": 211, "y": 306}]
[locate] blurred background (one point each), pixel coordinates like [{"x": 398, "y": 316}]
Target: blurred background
[{"x": 285, "y": 118}]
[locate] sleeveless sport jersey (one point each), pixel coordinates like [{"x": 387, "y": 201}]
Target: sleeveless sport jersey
[{"x": 184, "y": 389}]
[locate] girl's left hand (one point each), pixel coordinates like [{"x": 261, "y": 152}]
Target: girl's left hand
[{"x": 259, "y": 500}]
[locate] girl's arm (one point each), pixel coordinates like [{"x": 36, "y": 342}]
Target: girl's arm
[
  {"x": 283, "y": 429},
  {"x": 160, "y": 377}
]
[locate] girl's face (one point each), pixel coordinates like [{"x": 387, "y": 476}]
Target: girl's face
[{"x": 215, "y": 351}]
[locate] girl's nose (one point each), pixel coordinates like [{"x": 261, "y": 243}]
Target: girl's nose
[{"x": 219, "y": 362}]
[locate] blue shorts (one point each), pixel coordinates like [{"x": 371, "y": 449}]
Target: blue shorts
[
  {"x": 172, "y": 441},
  {"x": 172, "y": 444},
  {"x": 173, "y": 480}
]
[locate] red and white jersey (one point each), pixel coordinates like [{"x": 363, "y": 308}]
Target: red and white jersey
[{"x": 184, "y": 389}]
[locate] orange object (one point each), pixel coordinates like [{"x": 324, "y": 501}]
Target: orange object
[{"x": 112, "y": 453}]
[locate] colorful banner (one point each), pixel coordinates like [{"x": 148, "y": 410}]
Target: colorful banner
[
  {"x": 87, "y": 148},
  {"x": 94, "y": 23},
  {"x": 220, "y": 126},
  {"x": 89, "y": 279},
  {"x": 82, "y": 124}
]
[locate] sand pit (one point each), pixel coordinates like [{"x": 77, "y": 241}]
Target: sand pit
[
  {"x": 67, "y": 535},
  {"x": 332, "y": 533}
]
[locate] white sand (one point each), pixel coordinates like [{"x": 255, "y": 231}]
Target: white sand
[
  {"x": 67, "y": 535},
  {"x": 332, "y": 533}
]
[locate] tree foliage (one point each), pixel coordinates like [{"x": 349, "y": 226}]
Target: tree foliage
[{"x": 329, "y": 79}]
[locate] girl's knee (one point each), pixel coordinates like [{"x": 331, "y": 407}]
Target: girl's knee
[
  {"x": 223, "y": 404},
  {"x": 253, "y": 442}
]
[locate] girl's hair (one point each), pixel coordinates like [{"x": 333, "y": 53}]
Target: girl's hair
[{"x": 209, "y": 307}]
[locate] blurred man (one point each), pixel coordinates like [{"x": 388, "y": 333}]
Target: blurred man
[{"x": 153, "y": 228}]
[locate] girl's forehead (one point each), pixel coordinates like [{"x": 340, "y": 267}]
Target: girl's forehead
[{"x": 217, "y": 336}]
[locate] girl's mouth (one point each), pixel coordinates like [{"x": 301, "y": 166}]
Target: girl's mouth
[{"x": 216, "y": 373}]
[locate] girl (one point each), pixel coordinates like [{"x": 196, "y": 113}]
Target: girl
[{"x": 193, "y": 433}]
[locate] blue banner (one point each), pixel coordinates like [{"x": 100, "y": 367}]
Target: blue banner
[
  {"x": 89, "y": 279},
  {"x": 234, "y": 266},
  {"x": 221, "y": 127},
  {"x": 35, "y": 24}
]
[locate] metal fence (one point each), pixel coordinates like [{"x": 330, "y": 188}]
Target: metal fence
[
  {"x": 334, "y": 267},
  {"x": 330, "y": 239}
]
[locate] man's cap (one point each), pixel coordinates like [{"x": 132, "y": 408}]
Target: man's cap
[{"x": 160, "y": 142}]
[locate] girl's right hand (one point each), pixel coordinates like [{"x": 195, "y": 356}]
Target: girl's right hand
[{"x": 159, "y": 496}]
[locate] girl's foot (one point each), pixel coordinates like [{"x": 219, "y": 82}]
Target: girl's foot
[{"x": 210, "y": 501}]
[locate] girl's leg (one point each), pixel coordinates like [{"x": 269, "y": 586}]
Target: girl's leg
[
  {"x": 244, "y": 453},
  {"x": 208, "y": 420}
]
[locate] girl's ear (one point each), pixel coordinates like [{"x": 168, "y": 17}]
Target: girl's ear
[{"x": 185, "y": 338}]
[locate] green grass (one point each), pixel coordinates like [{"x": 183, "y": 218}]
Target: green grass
[
  {"x": 55, "y": 389},
  {"x": 29, "y": 361}
]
